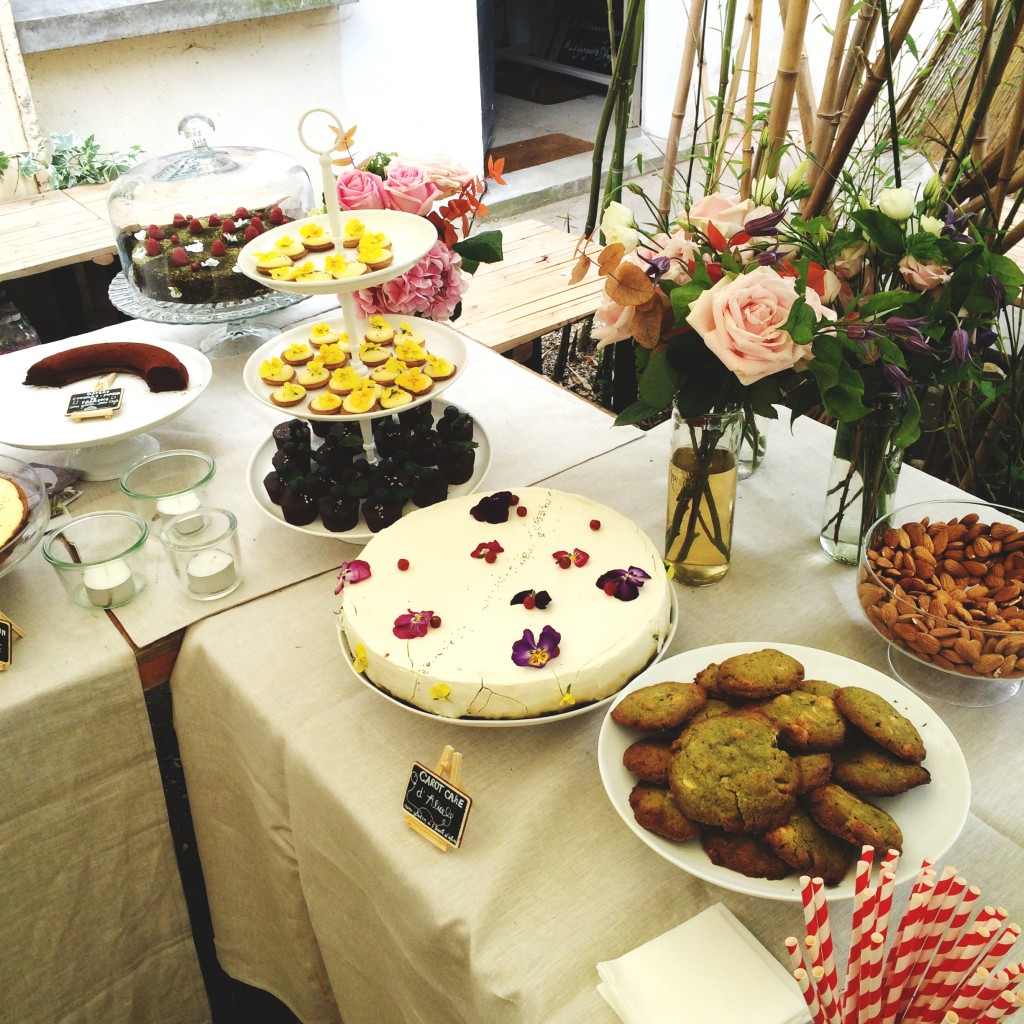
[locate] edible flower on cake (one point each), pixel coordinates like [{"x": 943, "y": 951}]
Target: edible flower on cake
[
  {"x": 333, "y": 355},
  {"x": 289, "y": 246},
  {"x": 488, "y": 550},
  {"x": 567, "y": 698},
  {"x": 352, "y": 572},
  {"x": 531, "y": 599},
  {"x": 288, "y": 394},
  {"x": 273, "y": 371},
  {"x": 388, "y": 372},
  {"x": 413, "y": 379},
  {"x": 437, "y": 368},
  {"x": 494, "y": 508},
  {"x": 441, "y": 691},
  {"x": 322, "y": 333},
  {"x": 359, "y": 658},
  {"x": 354, "y": 230},
  {"x": 623, "y": 584},
  {"x": 408, "y": 333},
  {"x": 373, "y": 355},
  {"x": 578, "y": 558},
  {"x": 345, "y": 380},
  {"x": 307, "y": 272},
  {"x": 373, "y": 253},
  {"x": 412, "y": 625},
  {"x": 380, "y": 332},
  {"x": 315, "y": 238},
  {"x": 531, "y": 653},
  {"x": 268, "y": 261},
  {"x": 297, "y": 353},
  {"x": 362, "y": 399},
  {"x": 289, "y": 273},
  {"x": 411, "y": 352},
  {"x": 393, "y": 398}
]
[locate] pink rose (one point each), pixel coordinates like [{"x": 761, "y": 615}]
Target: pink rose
[
  {"x": 922, "y": 276},
  {"x": 851, "y": 261},
  {"x": 431, "y": 289},
  {"x": 741, "y": 320},
  {"x": 448, "y": 177},
  {"x": 408, "y": 189},
  {"x": 612, "y": 322},
  {"x": 726, "y": 212},
  {"x": 360, "y": 190}
]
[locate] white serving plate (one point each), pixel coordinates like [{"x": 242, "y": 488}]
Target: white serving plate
[
  {"x": 930, "y": 816},
  {"x": 440, "y": 341},
  {"x": 34, "y": 417},
  {"x": 260, "y": 465},
  {"x": 497, "y": 723},
  {"x": 411, "y": 239}
]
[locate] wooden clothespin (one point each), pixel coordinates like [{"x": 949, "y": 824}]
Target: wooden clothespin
[
  {"x": 8, "y": 632},
  {"x": 434, "y": 805},
  {"x": 100, "y": 402}
]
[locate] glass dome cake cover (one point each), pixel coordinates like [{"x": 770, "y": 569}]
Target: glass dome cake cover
[{"x": 181, "y": 219}]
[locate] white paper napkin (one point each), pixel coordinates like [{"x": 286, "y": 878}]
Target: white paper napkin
[{"x": 708, "y": 970}]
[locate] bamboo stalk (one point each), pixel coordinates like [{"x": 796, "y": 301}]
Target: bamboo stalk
[
  {"x": 856, "y": 59},
  {"x": 781, "y": 103},
  {"x": 723, "y": 71},
  {"x": 734, "y": 88},
  {"x": 679, "y": 106},
  {"x": 1013, "y": 235},
  {"x": 827, "y": 112},
  {"x": 980, "y": 147},
  {"x": 705, "y": 104},
  {"x": 1009, "y": 156},
  {"x": 873, "y": 82},
  {"x": 980, "y": 202},
  {"x": 748, "y": 112},
  {"x": 804, "y": 90}
]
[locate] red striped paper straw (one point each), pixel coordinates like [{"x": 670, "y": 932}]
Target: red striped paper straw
[
  {"x": 912, "y": 914},
  {"x": 862, "y": 911},
  {"x": 992, "y": 915},
  {"x": 906, "y": 951},
  {"x": 793, "y": 949},
  {"x": 832, "y": 1000},
  {"x": 968, "y": 993},
  {"x": 958, "y": 967},
  {"x": 871, "y": 990},
  {"x": 999, "y": 1008},
  {"x": 1004, "y": 941},
  {"x": 810, "y": 996}
]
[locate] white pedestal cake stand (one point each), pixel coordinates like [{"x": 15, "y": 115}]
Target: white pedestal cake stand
[{"x": 34, "y": 418}]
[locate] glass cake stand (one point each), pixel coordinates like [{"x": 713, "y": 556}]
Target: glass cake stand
[{"x": 239, "y": 333}]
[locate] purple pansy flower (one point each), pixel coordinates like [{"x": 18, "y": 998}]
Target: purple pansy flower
[
  {"x": 532, "y": 653},
  {"x": 623, "y": 584},
  {"x": 412, "y": 625},
  {"x": 352, "y": 572},
  {"x": 494, "y": 508}
]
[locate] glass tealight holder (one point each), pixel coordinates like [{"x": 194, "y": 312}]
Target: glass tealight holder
[
  {"x": 206, "y": 561},
  {"x": 169, "y": 484},
  {"x": 98, "y": 558}
]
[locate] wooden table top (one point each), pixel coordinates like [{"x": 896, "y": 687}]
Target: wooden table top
[{"x": 54, "y": 229}]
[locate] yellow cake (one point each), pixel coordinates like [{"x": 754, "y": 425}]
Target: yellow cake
[
  {"x": 290, "y": 246},
  {"x": 13, "y": 510},
  {"x": 314, "y": 375},
  {"x": 322, "y": 333},
  {"x": 288, "y": 394},
  {"x": 363, "y": 399},
  {"x": 414, "y": 380},
  {"x": 345, "y": 381}
]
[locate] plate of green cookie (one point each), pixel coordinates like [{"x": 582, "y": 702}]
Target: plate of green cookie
[{"x": 768, "y": 761}]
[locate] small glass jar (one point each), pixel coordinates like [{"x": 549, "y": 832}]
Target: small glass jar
[
  {"x": 206, "y": 560},
  {"x": 98, "y": 558},
  {"x": 168, "y": 484}
]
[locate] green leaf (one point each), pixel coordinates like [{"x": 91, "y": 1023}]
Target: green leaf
[
  {"x": 885, "y": 302},
  {"x": 924, "y": 247},
  {"x": 883, "y": 231},
  {"x": 658, "y": 382},
  {"x": 682, "y": 297},
  {"x": 483, "y": 247},
  {"x": 635, "y": 413},
  {"x": 801, "y": 322},
  {"x": 912, "y": 46},
  {"x": 909, "y": 429}
]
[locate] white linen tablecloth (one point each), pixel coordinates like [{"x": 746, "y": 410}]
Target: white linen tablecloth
[
  {"x": 296, "y": 771},
  {"x": 92, "y": 915}
]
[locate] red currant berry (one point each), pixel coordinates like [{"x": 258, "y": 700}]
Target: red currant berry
[
  {"x": 521, "y": 511},
  {"x": 435, "y": 621},
  {"x": 529, "y": 602},
  {"x": 490, "y": 557},
  {"x": 609, "y": 588},
  {"x": 595, "y": 524},
  {"x": 564, "y": 562},
  {"x": 514, "y": 499},
  {"x": 403, "y": 564}
]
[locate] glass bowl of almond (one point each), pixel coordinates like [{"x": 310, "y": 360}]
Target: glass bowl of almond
[{"x": 943, "y": 582}]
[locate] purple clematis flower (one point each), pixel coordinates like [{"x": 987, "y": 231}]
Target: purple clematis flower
[
  {"x": 956, "y": 227},
  {"x": 766, "y": 225},
  {"x": 352, "y": 572},
  {"x": 960, "y": 346},
  {"x": 657, "y": 268},
  {"x": 897, "y": 378},
  {"x": 769, "y": 257},
  {"x": 494, "y": 508},
  {"x": 532, "y": 653},
  {"x": 996, "y": 291},
  {"x": 623, "y": 584},
  {"x": 906, "y": 330},
  {"x": 412, "y": 625}
]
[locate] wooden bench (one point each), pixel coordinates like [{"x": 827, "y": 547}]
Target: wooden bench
[{"x": 512, "y": 303}]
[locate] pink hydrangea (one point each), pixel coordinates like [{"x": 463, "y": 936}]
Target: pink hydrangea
[{"x": 431, "y": 289}]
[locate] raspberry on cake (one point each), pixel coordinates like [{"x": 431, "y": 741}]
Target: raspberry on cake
[{"x": 602, "y": 644}]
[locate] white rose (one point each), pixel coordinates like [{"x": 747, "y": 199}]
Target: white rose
[
  {"x": 896, "y": 203},
  {"x": 618, "y": 225},
  {"x": 932, "y": 225}
]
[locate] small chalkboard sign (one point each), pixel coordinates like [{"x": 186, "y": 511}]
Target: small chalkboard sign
[
  {"x": 8, "y": 631},
  {"x": 90, "y": 404},
  {"x": 434, "y": 806}
]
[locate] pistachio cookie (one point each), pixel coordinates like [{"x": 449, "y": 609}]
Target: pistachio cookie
[
  {"x": 845, "y": 815},
  {"x": 807, "y": 723},
  {"x": 747, "y": 854},
  {"x": 655, "y": 810},
  {"x": 815, "y": 770},
  {"x": 649, "y": 759},
  {"x": 662, "y": 707},
  {"x": 881, "y": 722},
  {"x": 804, "y": 845},
  {"x": 867, "y": 770},
  {"x": 763, "y": 673}
]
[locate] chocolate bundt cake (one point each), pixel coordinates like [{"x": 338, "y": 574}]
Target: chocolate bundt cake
[{"x": 156, "y": 366}]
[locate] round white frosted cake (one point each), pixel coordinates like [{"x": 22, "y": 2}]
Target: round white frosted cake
[{"x": 505, "y": 606}]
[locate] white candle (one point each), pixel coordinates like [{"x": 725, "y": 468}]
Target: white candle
[
  {"x": 168, "y": 508},
  {"x": 211, "y": 572},
  {"x": 109, "y": 584}
]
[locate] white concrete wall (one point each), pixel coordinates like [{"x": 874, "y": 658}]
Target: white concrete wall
[{"x": 404, "y": 71}]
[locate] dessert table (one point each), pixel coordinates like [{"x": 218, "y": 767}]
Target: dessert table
[{"x": 296, "y": 771}]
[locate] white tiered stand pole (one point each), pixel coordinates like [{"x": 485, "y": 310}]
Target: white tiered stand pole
[{"x": 353, "y": 321}]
